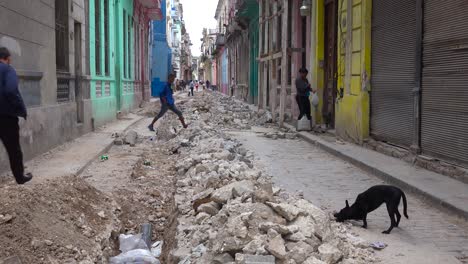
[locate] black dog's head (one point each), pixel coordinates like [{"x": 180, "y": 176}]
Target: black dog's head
[{"x": 345, "y": 213}]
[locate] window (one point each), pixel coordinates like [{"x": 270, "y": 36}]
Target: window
[
  {"x": 61, "y": 35},
  {"x": 125, "y": 44},
  {"x": 61, "y": 50},
  {"x": 106, "y": 39},
  {"x": 137, "y": 51},
  {"x": 129, "y": 45},
  {"x": 97, "y": 36}
]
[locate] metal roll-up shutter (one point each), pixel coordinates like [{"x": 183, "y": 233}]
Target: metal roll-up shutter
[
  {"x": 393, "y": 70},
  {"x": 444, "y": 113}
]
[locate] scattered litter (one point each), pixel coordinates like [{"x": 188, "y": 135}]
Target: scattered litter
[
  {"x": 147, "y": 163},
  {"x": 156, "y": 248},
  {"x": 104, "y": 158},
  {"x": 135, "y": 250},
  {"x": 135, "y": 256},
  {"x": 340, "y": 142},
  {"x": 378, "y": 245},
  {"x": 131, "y": 242}
]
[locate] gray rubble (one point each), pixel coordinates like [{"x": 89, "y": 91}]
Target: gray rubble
[{"x": 229, "y": 210}]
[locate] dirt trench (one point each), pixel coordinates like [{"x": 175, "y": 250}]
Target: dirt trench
[{"x": 77, "y": 219}]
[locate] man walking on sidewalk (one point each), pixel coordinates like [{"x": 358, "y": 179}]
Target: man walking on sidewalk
[
  {"x": 167, "y": 103},
  {"x": 11, "y": 107}
]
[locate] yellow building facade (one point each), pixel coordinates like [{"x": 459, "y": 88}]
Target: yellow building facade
[{"x": 353, "y": 64}]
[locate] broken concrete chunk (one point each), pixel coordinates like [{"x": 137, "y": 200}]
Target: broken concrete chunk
[
  {"x": 313, "y": 260},
  {"x": 223, "y": 258},
  {"x": 289, "y": 212},
  {"x": 264, "y": 193},
  {"x": 329, "y": 253},
  {"x": 277, "y": 248},
  {"x": 254, "y": 259},
  {"x": 201, "y": 217},
  {"x": 242, "y": 187},
  {"x": 256, "y": 246},
  {"x": 198, "y": 251},
  {"x": 131, "y": 138},
  {"x": 224, "y": 194},
  {"x": 281, "y": 229},
  {"x": 305, "y": 224},
  {"x": 299, "y": 251},
  {"x": 118, "y": 142},
  {"x": 210, "y": 208}
]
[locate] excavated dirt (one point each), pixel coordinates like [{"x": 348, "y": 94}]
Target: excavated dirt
[{"x": 56, "y": 221}]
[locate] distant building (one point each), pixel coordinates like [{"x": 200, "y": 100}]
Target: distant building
[{"x": 161, "y": 64}]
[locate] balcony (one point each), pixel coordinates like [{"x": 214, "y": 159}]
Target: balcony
[
  {"x": 212, "y": 31},
  {"x": 220, "y": 40},
  {"x": 153, "y": 8}
]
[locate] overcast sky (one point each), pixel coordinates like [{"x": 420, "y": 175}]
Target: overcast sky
[{"x": 198, "y": 14}]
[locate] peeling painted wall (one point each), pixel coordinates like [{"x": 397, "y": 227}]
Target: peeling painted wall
[
  {"x": 354, "y": 49},
  {"x": 28, "y": 30}
]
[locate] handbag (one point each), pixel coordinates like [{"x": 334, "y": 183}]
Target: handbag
[{"x": 304, "y": 124}]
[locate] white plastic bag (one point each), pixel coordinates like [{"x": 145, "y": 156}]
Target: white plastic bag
[
  {"x": 304, "y": 124},
  {"x": 131, "y": 242},
  {"x": 315, "y": 100},
  {"x": 156, "y": 249},
  {"x": 137, "y": 256}
]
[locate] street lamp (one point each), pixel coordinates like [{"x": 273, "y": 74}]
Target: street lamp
[{"x": 305, "y": 8}]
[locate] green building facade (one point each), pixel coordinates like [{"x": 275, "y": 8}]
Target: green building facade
[{"x": 111, "y": 58}]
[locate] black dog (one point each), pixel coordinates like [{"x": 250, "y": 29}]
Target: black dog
[{"x": 370, "y": 200}]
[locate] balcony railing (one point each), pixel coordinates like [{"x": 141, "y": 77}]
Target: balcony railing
[
  {"x": 220, "y": 40},
  {"x": 212, "y": 31}
]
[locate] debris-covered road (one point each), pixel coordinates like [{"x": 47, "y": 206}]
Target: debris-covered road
[{"x": 207, "y": 197}]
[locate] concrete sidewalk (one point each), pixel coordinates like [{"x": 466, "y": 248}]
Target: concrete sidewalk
[
  {"x": 73, "y": 157},
  {"x": 443, "y": 191}
]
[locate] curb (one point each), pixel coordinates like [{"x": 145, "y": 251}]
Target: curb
[
  {"x": 104, "y": 150},
  {"x": 437, "y": 201}
]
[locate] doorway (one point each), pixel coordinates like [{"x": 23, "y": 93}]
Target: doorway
[
  {"x": 330, "y": 50},
  {"x": 78, "y": 73}
]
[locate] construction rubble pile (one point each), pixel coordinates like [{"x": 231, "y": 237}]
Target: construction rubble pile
[{"x": 228, "y": 209}]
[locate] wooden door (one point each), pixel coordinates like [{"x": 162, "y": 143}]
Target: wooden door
[{"x": 329, "y": 95}]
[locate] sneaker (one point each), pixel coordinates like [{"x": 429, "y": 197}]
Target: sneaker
[
  {"x": 27, "y": 177},
  {"x": 151, "y": 128}
]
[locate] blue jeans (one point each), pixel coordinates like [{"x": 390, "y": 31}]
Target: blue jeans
[{"x": 165, "y": 107}]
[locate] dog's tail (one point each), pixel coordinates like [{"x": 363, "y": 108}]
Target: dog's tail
[{"x": 405, "y": 205}]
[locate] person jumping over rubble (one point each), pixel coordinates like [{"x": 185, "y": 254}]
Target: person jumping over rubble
[
  {"x": 168, "y": 103},
  {"x": 11, "y": 107}
]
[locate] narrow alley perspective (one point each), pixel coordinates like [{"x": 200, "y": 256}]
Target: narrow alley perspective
[{"x": 233, "y": 131}]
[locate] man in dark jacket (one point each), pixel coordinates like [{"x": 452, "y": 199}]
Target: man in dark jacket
[
  {"x": 11, "y": 107},
  {"x": 167, "y": 103},
  {"x": 303, "y": 93}
]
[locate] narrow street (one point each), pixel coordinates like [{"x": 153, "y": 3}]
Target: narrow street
[
  {"x": 328, "y": 181},
  {"x": 159, "y": 180},
  {"x": 108, "y": 157}
]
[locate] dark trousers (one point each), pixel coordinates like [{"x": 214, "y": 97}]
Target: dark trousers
[
  {"x": 304, "y": 107},
  {"x": 165, "y": 107},
  {"x": 9, "y": 135},
  {"x": 191, "y": 91}
]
